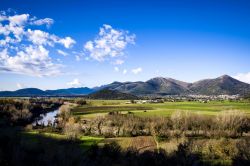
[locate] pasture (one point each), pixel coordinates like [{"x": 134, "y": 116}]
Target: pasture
[{"x": 96, "y": 108}]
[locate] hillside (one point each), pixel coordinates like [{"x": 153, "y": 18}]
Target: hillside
[
  {"x": 221, "y": 85},
  {"x": 106, "y": 94},
  {"x": 224, "y": 85}
]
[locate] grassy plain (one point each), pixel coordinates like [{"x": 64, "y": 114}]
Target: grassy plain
[{"x": 103, "y": 107}]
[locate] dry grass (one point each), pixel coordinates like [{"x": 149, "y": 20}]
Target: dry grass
[{"x": 140, "y": 143}]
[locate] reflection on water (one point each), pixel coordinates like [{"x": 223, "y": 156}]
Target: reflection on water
[{"x": 49, "y": 117}]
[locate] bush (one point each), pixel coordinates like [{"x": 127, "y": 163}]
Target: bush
[
  {"x": 72, "y": 129},
  {"x": 233, "y": 122},
  {"x": 81, "y": 102}
]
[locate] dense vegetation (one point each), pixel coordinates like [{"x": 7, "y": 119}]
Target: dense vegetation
[
  {"x": 26, "y": 149},
  {"x": 225, "y": 124},
  {"x": 120, "y": 136},
  {"x": 24, "y": 111}
]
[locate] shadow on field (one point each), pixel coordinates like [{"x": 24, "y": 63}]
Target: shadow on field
[{"x": 25, "y": 149}]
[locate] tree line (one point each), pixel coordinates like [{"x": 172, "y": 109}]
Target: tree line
[{"x": 23, "y": 111}]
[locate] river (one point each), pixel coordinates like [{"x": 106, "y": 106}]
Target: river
[{"x": 46, "y": 118}]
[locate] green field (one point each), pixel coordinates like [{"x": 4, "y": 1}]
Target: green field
[
  {"x": 103, "y": 107},
  {"x": 84, "y": 141}
]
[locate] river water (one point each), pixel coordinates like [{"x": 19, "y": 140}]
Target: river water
[{"x": 46, "y": 118}]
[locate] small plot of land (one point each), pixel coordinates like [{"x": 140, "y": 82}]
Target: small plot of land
[
  {"x": 92, "y": 111},
  {"x": 140, "y": 143},
  {"x": 103, "y": 107}
]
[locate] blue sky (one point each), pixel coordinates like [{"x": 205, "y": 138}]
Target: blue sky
[{"x": 183, "y": 39}]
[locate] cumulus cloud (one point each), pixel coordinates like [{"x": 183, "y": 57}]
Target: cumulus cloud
[
  {"x": 18, "y": 19},
  {"x": 62, "y": 52},
  {"x": 244, "y": 77},
  {"x": 33, "y": 60},
  {"x": 24, "y": 50},
  {"x": 46, "y": 21},
  {"x": 67, "y": 42},
  {"x": 109, "y": 43},
  {"x": 43, "y": 38},
  {"x": 38, "y": 37},
  {"x": 137, "y": 70},
  {"x": 75, "y": 83}
]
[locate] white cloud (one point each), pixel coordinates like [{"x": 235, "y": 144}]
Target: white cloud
[
  {"x": 33, "y": 60},
  {"x": 75, "y": 83},
  {"x": 124, "y": 71},
  {"x": 116, "y": 69},
  {"x": 43, "y": 38},
  {"x": 244, "y": 77},
  {"x": 119, "y": 62},
  {"x": 137, "y": 70},
  {"x": 38, "y": 37},
  {"x": 109, "y": 43},
  {"x": 62, "y": 52},
  {"x": 24, "y": 50},
  {"x": 46, "y": 21},
  {"x": 67, "y": 42},
  {"x": 18, "y": 19}
]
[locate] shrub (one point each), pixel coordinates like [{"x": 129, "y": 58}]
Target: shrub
[
  {"x": 243, "y": 155},
  {"x": 81, "y": 102},
  {"x": 232, "y": 121},
  {"x": 72, "y": 129}
]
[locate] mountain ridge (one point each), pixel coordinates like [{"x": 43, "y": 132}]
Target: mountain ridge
[{"x": 159, "y": 86}]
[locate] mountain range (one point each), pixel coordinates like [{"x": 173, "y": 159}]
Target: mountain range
[
  {"x": 224, "y": 85},
  {"x": 39, "y": 92},
  {"x": 159, "y": 86}
]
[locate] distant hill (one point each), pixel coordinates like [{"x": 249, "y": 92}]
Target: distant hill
[
  {"x": 159, "y": 86},
  {"x": 71, "y": 91},
  {"x": 221, "y": 85},
  {"x": 155, "y": 86},
  {"x": 38, "y": 92},
  {"x": 224, "y": 85},
  {"x": 106, "y": 94},
  {"x": 24, "y": 92}
]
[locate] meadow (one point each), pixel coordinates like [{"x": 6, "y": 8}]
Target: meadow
[{"x": 103, "y": 107}]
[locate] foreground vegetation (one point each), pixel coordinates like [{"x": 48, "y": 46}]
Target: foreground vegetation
[
  {"x": 113, "y": 132},
  {"x": 25, "y": 148},
  {"x": 22, "y": 111}
]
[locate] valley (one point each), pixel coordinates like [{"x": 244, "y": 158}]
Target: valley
[{"x": 168, "y": 128}]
